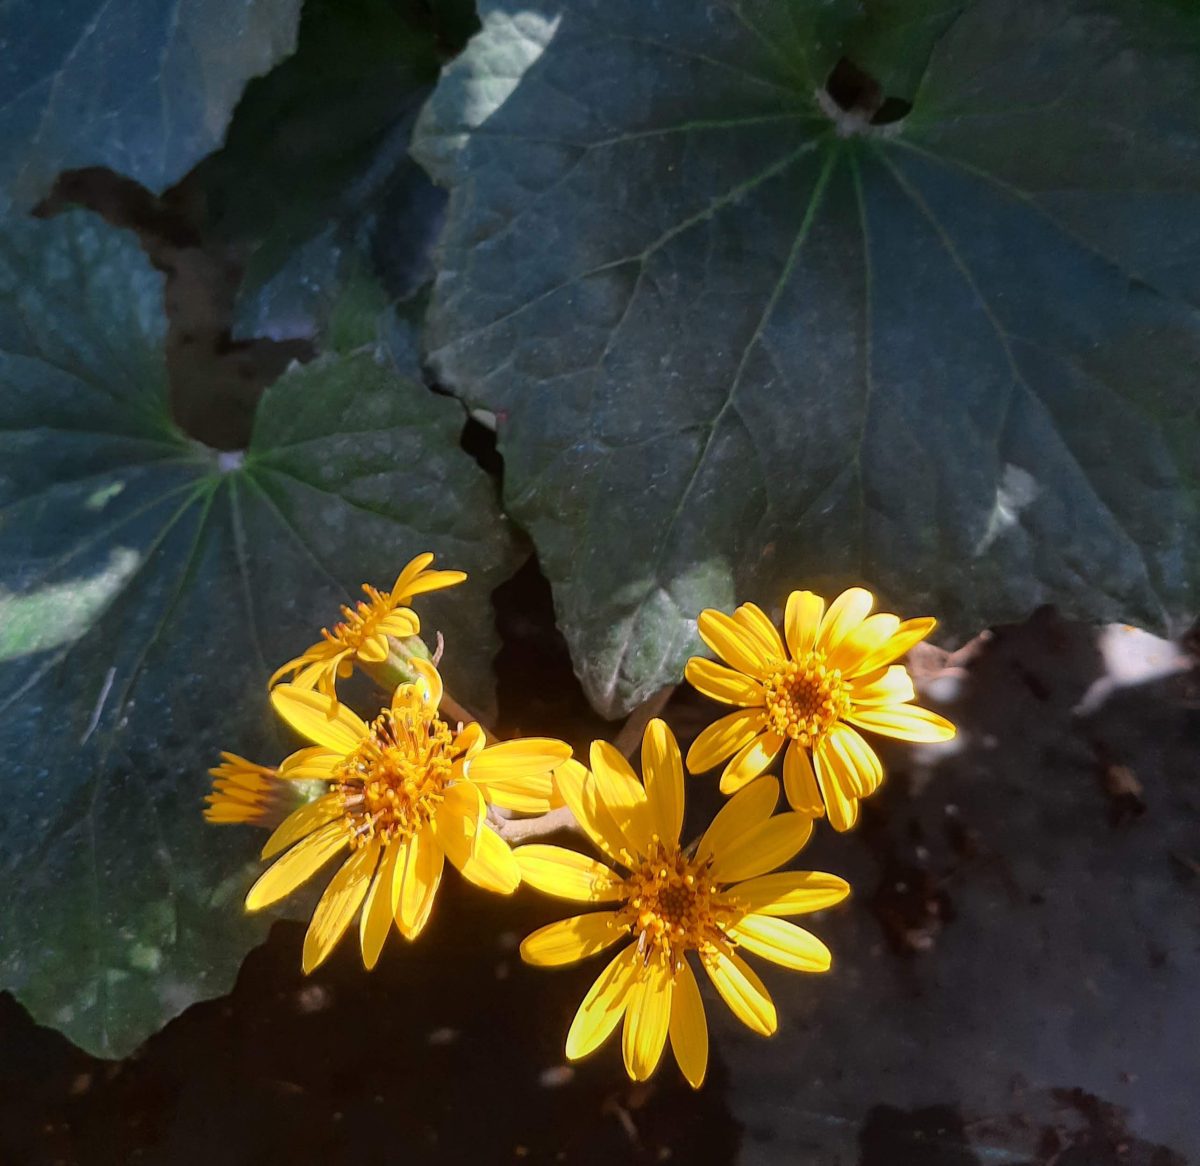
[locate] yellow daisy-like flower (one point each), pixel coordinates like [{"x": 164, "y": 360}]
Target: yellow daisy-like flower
[
  {"x": 405, "y": 793},
  {"x": 362, "y": 635},
  {"x": 834, "y": 674},
  {"x": 245, "y": 792},
  {"x": 671, "y": 900}
]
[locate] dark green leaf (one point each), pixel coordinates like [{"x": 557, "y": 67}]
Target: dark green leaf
[
  {"x": 317, "y": 154},
  {"x": 147, "y": 588},
  {"x": 144, "y": 87},
  {"x": 741, "y": 341}
]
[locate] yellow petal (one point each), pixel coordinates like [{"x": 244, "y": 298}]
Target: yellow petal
[
  {"x": 374, "y": 649},
  {"x": 433, "y": 581},
  {"x": 409, "y": 574},
  {"x": 662, "y": 771},
  {"x": 316, "y": 763},
  {"x": 519, "y": 774},
  {"x": 647, "y": 1019},
  {"x": 421, "y": 876},
  {"x": 721, "y": 683},
  {"x": 758, "y": 623},
  {"x": 578, "y": 791},
  {"x": 338, "y": 904},
  {"x": 573, "y": 939},
  {"x": 735, "y": 644},
  {"x": 742, "y": 990},
  {"x": 470, "y": 739},
  {"x": 762, "y": 848},
  {"x": 523, "y": 757},
  {"x": 883, "y": 686},
  {"x": 845, "y": 613},
  {"x": 745, "y": 811},
  {"x": 688, "y": 1030},
  {"x": 302, "y": 822},
  {"x": 604, "y": 1004},
  {"x": 800, "y": 782},
  {"x": 620, "y": 792},
  {"x": 787, "y": 892},
  {"x": 856, "y": 759},
  {"x": 308, "y": 713},
  {"x": 400, "y": 623},
  {"x": 484, "y": 860},
  {"x": 299, "y": 864},
  {"x": 725, "y": 737},
  {"x": 782, "y": 942},
  {"x": 567, "y": 874},
  {"x": 908, "y": 634},
  {"x": 429, "y": 682},
  {"x": 802, "y": 621},
  {"x": 904, "y": 722},
  {"x": 863, "y": 642},
  {"x": 376, "y": 919},
  {"x": 838, "y": 785},
  {"x": 751, "y": 760}
]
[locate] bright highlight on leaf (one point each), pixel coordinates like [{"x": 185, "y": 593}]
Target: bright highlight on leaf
[
  {"x": 362, "y": 635},
  {"x": 667, "y": 901},
  {"x": 807, "y": 697}
]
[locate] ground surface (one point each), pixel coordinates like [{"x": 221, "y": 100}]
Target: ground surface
[{"x": 1014, "y": 982}]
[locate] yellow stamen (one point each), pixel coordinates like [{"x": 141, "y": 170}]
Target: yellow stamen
[
  {"x": 805, "y": 698},
  {"x": 394, "y": 781},
  {"x": 669, "y": 906}
]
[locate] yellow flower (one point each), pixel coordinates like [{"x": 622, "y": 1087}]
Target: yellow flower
[
  {"x": 405, "y": 793},
  {"x": 670, "y": 901},
  {"x": 244, "y": 791},
  {"x": 835, "y": 672},
  {"x": 363, "y": 633}
]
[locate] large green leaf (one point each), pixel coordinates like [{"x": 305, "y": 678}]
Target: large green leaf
[
  {"x": 144, "y": 87},
  {"x": 316, "y": 159},
  {"x": 740, "y": 340},
  {"x": 147, "y": 587}
]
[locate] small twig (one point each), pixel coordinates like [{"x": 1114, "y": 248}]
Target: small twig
[
  {"x": 517, "y": 830},
  {"x": 454, "y": 711}
]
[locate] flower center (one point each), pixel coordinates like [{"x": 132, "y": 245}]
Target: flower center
[
  {"x": 669, "y": 906},
  {"x": 358, "y": 622},
  {"x": 394, "y": 781},
  {"x": 805, "y": 699}
]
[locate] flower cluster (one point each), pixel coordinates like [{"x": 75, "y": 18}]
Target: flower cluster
[{"x": 396, "y": 796}]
